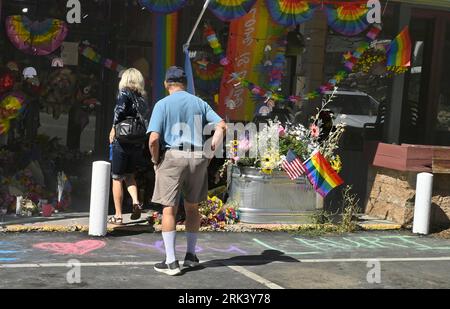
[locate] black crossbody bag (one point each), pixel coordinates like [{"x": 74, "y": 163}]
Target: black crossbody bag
[{"x": 132, "y": 130}]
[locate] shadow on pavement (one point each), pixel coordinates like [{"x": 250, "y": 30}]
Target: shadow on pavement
[
  {"x": 266, "y": 257},
  {"x": 132, "y": 229}
]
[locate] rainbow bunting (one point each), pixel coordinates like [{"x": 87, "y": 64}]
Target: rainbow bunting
[
  {"x": 207, "y": 77},
  {"x": 348, "y": 19},
  {"x": 321, "y": 174},
  {"x": 36, "y": 38},
  {"x": 399, "y": 51},
  {"x": 228, "y": 10},
  {"x": 163, "y": 6},
  {"x": 290, "y": 12},
  {"x": 165, "y": 30}
]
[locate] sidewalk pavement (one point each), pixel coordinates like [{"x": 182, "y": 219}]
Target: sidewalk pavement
[{"x": 79, "y": 222}]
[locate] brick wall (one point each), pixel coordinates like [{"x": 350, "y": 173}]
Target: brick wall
[{"x": 391, "y": 196}]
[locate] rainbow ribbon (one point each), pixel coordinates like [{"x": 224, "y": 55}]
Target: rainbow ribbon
[{"x": 165, "y": 31}]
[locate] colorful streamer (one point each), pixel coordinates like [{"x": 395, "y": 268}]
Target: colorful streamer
[
  {"x": 165, "y": 31},
  {"x": 348, "y": 19},
  {"x": 351, "y": 58},
  {"x": 290, "y": 12},
  {"x": 399, "y": 51},
  {"x": 36, "y": 38},
  {"x": 214, "y": 42},
  {"x": 227, "y": 10},
  {"x": 163, "y": 6},
  {"x": 91, "y": 54}
]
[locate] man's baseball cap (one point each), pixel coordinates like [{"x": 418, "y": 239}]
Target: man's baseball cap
[{"x": 175, "y": 75}]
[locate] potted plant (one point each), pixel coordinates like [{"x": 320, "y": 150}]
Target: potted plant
[{"x": 256, "y": 179}]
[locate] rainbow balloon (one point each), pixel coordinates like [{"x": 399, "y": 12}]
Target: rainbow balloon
[
  {"x": 399, "y": 51},
  {"x": 165, "y": 31},
  {"x": 228, "y": 10},
  {"x": 290, "y": 12},
  {"x": 348, "y": 19},
  {"x": 163, "y": 6},
  {"x": 36, "y": 38}
]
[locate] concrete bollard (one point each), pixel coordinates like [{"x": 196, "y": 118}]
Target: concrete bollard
[
  {"x": 101, "y": 182},
  {"x": 422, "y": 207}
]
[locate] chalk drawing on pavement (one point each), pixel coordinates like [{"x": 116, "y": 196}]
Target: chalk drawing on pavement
[
  {"x": 10, "y": 252},
  {"x": 78, "y": 248},
  {"x": 159, "y": 246},
  {"x": 305, "y": 246}
]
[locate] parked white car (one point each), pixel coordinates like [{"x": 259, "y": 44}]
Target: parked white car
[{"x": 353, "y": 108}]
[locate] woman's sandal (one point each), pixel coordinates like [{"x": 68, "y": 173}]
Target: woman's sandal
[
  {"x": 115, "y": 221},
  {"x": 137, "y": 211}
]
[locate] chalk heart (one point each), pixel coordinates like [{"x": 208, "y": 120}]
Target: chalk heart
[{"x": 77, "y": 248}]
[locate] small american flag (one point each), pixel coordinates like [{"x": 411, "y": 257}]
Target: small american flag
[{"x": 293, "y": 166}]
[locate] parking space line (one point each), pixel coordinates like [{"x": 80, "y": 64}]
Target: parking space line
[
  {"x": 56, "y": 265},
  {"x": 235, "y": 262},
  {"x": 255, "y": 277},
  {"x": 418, "y": 259}
]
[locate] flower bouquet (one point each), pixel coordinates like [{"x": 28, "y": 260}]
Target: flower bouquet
[
  {"x": 216, "y": 214},
  {"x": 268, "y": 148}
]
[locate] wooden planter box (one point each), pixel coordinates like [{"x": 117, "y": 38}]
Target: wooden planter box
[{"x": 406, "y": 157}]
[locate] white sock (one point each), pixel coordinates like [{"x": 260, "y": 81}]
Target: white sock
[
  {"x": 191, "y": 242},
  {"x": 169, "y": 242}
]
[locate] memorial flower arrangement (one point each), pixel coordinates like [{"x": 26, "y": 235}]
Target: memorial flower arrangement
[
  {"x": 274, "y": 141},
  {"x": 215, "y": 213}
]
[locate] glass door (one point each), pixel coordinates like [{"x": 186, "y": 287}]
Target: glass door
[
  {"x": 442, "y": 128},
  {"x": 416, "y": 81}
]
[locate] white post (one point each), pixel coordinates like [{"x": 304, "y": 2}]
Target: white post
[
  {"x": 422, "y": 208},
  {"x": 99, "y": 198}
]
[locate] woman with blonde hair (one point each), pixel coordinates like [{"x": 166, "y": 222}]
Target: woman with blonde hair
[{"x": 131, "y": 104}]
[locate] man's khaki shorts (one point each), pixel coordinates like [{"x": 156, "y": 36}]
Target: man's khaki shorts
[{"x": 181, "y": 172}]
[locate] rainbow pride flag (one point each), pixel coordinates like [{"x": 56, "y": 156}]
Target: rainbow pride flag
[
  {"x": 165, "y": 30},
  {"x": 399, "y": 51},
  {"x": 321, "y": 174}
]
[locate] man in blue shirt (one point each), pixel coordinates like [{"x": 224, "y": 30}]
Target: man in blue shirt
[{"x": 176, "y": 125}]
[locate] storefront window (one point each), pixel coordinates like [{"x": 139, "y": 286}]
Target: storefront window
[{"x": 374, "y": 84}]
